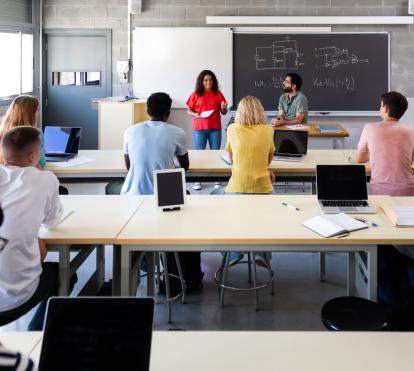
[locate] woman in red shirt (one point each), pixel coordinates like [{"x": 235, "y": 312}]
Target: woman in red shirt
[{"x": 205, "y": 105}]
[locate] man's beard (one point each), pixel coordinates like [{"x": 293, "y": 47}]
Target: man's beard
[{"x": 286, "y": 89}]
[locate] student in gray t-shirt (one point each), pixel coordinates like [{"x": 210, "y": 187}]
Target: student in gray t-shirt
[{"x": 293, "y": 105}]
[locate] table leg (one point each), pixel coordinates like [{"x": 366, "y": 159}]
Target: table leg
[
  {"x": 350, "y": 289},
  {"x": 100, "y": 264},
  {"x": 372, "y": 272},
  {"x": 116, "y": 270},
  {"x": 150, "y": 274},
  {"x": 124, "y": 257},
  {"x": 64, "y": 270},
  {"x": 322, "y": 267}
]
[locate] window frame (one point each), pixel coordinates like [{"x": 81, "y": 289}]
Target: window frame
[{"x": 33, "y": 29}]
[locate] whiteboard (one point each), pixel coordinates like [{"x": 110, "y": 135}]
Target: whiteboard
[{"x": 169, "y": 59}]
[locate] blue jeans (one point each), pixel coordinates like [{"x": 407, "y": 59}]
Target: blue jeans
[{"x": 213, "y": 136}]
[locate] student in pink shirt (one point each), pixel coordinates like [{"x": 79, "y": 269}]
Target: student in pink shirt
[{"x": 389, "y": 147}]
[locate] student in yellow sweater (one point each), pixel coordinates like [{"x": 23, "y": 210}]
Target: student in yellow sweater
[{"x": 250, "y": 147}]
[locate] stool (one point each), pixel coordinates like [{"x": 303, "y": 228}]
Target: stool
[
  {"x": 350, "y": 313},
  {"x": 221, "y": 274},
  {"x": 162, "y": 256}
]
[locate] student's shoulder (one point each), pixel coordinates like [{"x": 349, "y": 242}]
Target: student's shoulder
[
  {"x": 47, "y": 178},
  {"x": 174, "y": 129}
]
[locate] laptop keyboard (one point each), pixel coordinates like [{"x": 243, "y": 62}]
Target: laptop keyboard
[{"x": 342, "y": 203}]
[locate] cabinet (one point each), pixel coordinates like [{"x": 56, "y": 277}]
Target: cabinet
[{"x": 115, "y": 117}]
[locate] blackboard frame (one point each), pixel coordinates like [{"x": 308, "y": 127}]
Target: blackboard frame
[{"x": 326, "y": 112}]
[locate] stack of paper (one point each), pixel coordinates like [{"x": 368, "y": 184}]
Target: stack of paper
[
  {"x": 400, "y": 216},
  {"x": 334, "y": 225}
]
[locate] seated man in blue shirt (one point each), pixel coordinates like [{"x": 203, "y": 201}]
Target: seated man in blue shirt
[
  {"x": 152, "y": 145},
  {"x": 293, "y": 105}
]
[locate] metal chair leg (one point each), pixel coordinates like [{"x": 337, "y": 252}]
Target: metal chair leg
[
  {"x": 180, "y": 274},
  {"x": 255, "y": 280},
  {"x": 269, "y": 269},
  {"x": 167, "y": 285},
  {"x": 223, "y": 276},
  {"x": 249, "y": 265},
  {"x": 158, "y": 268}
]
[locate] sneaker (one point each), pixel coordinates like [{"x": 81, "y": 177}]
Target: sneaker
[
  {"x": 197, "y": 186},
  {"x": 261, "y": 261},
  {"x": 217, "y": 185},
  {"x": 235, "y": 257}
]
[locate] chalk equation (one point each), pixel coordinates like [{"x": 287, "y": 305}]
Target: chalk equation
[
  {"x": 281, "y": 55},
  {"x": 276, "y": 83},
  {"x": 345, "y": 83},
  {"x": 333, "y": 57}
]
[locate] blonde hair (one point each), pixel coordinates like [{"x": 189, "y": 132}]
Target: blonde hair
[
  {"x": 22, "y": 112},
  {"x": 250, "y": 112}
]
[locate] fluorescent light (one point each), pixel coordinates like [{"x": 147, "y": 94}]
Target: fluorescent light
[
  {"x": 260, "y": 30},
  {"x": 291, "y": 20}
]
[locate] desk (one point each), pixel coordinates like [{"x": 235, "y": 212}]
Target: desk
[
  {"x": 95, "y": 220},
  {"x": 204, "y": 164},
  {"x": 314, "y": 132},
  {"x": 295, "y": 351},
  {"x": 249, "y": 223}
]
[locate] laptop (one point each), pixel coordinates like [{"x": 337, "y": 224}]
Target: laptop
[
  {"x": 97, "y": 334},
  {"x": 291, "y": 145},
  {"x": 61, "y": 143},
  {"x": 343, "y": 189}
]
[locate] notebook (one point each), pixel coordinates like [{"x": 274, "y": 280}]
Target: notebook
[
  {"x": 324, "y": 129},
  {"x": 97, "y": 334},
  {"x": 291, "y": 145},
  {"x": 343, "y": 189},
  {"x": 61, "y": 143},
  {"x": 334, "y": 225}
]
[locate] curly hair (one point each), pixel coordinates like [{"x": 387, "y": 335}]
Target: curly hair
[{"x": 199, "y": 88}]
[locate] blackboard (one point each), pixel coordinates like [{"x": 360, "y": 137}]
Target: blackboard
[{"x": 341, "y": 72}]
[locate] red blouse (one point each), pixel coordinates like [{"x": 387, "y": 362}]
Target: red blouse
[{"x": 206, "y": 102}]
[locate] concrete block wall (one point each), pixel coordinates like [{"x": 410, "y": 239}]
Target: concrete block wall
[{"x": 179, "y": 13}]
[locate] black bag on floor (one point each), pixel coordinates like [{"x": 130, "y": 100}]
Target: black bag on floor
[{"x": 191, "y": 267}]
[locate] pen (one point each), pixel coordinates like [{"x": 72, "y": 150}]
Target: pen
[{"x": 291, "y": 206}]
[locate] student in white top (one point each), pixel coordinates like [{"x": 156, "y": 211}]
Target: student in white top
[{"x": 29, "y": 198}]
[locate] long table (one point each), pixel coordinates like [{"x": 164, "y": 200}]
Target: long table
[
  {"x": 249, "y": 223},
  {"x": 96, "y": 220},
  {"x": 241, "y": 350},
  {"x": 109, "y": 165}
]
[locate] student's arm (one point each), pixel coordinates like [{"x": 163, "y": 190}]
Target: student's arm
[
  {"x": 127, "y": 161},
  {"x": 362, "y": 157},
  {"x": 53, "y": 209},
  {"x": 184, "y": 161},
  {"x": 42, "y": 249},
  {"x": 363, "y": 150}
]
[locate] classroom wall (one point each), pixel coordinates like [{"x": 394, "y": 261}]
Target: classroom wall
[{"x": 157, "y": 13}]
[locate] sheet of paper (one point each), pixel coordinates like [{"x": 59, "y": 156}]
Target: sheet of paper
[
  {"x": 206, "y": 114},
  {"x": 78, "y": 160},
  {"x": 296, "y": 127},
  {"x": 66, "y": 213}
]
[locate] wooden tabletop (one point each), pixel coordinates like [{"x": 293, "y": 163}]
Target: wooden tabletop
[
  {"x": 201, "y": 161},
  {"x": 248, "y": 219},
  {"x": 96, "y": 219},
  {"x": 271, "y": 350},
  {"x": 314, "y": 131}
]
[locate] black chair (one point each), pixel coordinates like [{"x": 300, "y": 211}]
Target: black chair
[{"x": 349, "y": 313}]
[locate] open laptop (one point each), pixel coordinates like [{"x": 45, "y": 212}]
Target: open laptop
[
  {"x": 97, "y": 334},
  {"x": 343, "y": 189},
  {"x": 291, "y": 145},
  {"x": 61, "y": 143}
]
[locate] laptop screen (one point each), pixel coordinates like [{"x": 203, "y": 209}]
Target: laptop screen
[
  {"x": 341, "y": 182},
  {"x": 62, "y": 139},
  {"x": 292, "y": 142},
  {"x": 104, "y": 334}
]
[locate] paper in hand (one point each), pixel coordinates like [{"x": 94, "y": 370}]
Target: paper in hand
[{"x": 206, "y": 114}]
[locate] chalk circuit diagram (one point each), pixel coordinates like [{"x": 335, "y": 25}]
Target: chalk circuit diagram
[
  {"x": 333, "y": 57},
  {"x": 281, "y": 55}
]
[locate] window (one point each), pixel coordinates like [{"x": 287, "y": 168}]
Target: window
[{"x": 16, "y": 64}]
